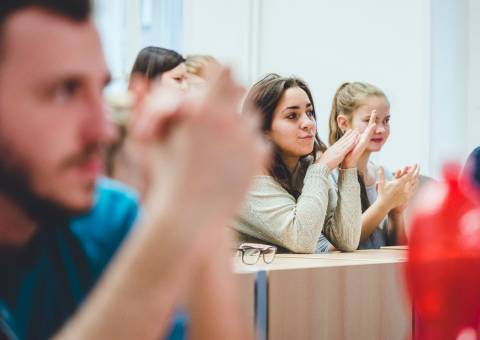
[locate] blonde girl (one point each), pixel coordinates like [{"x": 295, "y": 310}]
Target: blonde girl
[{"x": 383, "y": 194}]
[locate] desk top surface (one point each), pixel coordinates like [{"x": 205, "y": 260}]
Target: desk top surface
[{"x": 333, "y": 259}]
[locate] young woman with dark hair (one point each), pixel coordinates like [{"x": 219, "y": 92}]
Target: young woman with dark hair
[
  {"x": 157, "y": 63},
  {"x": 154, "y": 66},
  {"x": 294, "y": 204}
]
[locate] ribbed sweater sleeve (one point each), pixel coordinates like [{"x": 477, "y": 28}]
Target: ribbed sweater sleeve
[{"x": 343, "y": 227}]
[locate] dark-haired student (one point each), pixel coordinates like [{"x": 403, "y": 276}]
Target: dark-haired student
[
  {"x": 471, "y": 171},
  {"x": 158, "y": 64},
  {"x": 293, "y": 203},
  {"x": 154, "y": 67}
]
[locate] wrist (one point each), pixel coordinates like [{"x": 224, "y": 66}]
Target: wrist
[
  {"x": 325, "y": 164},
  {"x": 382, "y": 206},
  {"x": 395, "y": 215},
  {"x": 348, "y": 165}
]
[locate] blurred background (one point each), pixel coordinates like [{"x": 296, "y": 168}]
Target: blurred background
[{"x": 425, "y": 55}]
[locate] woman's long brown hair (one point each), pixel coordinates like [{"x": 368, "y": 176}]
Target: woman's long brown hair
[{"x": 264, "y": 97}]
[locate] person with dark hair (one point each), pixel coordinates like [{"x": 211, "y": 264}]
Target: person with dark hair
[
  {"x": 77, "y": 10},
  {"x": 384, "y": 197},
  {"x": 293, "y": 204},
  {"x": 471, "y": 171},
  {"x": 161, "y": 64},
  {"x": 153, "y": 65},
  {"x": 125, "y": 158},
  {"x": 61, "y": 225}
]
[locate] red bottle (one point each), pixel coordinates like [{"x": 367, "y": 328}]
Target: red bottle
[{"x": 443, "y": 269}]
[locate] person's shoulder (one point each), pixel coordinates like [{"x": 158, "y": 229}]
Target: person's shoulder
[
  {"x": 474, "y": 159},
  {"x": 475, "y": 153},
  {"x": 264, "y": 181},
  {"x": 102, "y": 230},
  {"x": 264, "y": 187},
  {"x": 472, "y": 166},
  {"x": 114, "y": 201},
  {"x": 110, "y": 189},
  {"x": 115, "y": 210}
]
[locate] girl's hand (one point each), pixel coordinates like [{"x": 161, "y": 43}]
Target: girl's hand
[
  {"x": 411, "y": 186},
  {"x": 396, "y": 193},
  {"x": 352, "y": 158}
]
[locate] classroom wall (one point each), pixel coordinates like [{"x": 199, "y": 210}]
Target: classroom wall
[
  {"x": 222, "y": 29},
  {"x": 422, "y": 53},
  {"x": 126, "y": 26},
  {"x": 473, "y": 75},
  {"x": 449, "y": 81}
]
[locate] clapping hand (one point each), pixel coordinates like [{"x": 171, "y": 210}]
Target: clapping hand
[
  {"x": 396, "y": 193},
  {"x": 354, "y": 155}
]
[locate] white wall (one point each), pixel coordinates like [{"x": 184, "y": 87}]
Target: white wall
[
  {"x": 126, "y": 26},
  {"x": 222, "y": 29},
  {"x": 327, "y": 42},
  {"x": 424, "y": 54},
  {"x": 119, "y": 26},
  {"x": 382, "y": 42},
  {"x": 449, "y": 94},
  {"x": 473, "y": 75}
]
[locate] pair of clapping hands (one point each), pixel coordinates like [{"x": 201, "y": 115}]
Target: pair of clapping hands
[{"x": 396, "y": 193}]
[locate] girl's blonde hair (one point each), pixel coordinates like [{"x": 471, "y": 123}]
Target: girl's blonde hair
[
  {"x": 348, "y": 98},
  {"x": 197, "y": 63}
]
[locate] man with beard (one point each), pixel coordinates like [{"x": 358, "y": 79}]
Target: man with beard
[{"x": 60, "y": 225}]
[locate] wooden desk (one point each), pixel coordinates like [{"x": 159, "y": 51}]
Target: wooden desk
[
  {"x": 357, "y": 295},
  {"x": 246, "y": 284}
]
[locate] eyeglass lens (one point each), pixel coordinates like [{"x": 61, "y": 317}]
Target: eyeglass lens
[
  {"x": 251, "y": 255},
  {"x": 269, "y": 255}
]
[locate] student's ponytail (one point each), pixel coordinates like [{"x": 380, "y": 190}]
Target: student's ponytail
[{"x": 335, "y": 132}]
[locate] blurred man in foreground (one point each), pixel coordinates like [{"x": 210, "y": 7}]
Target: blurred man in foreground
[{"x": 61, "y": 225}]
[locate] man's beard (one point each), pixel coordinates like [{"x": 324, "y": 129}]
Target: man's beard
[{"x": 15, "y": 185}]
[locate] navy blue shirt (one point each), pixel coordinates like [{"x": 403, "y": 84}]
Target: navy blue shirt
[{"x": 42, "y": 288}]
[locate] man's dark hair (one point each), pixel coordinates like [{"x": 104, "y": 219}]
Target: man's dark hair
[{"x": 77, "y": 10}]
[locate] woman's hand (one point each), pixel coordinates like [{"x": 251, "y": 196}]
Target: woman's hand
[
  {"x": 352, "y": 158},
  {"x": 335, "y": 154}
]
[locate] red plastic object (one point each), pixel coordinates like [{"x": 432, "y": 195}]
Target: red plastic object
[{"x": 443, "y": 268}]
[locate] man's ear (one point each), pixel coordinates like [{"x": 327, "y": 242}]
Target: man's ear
[{"x": 342, "y": 122}]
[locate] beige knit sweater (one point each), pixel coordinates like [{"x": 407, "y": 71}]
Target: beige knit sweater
[{"x": 272, "y": 215}]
